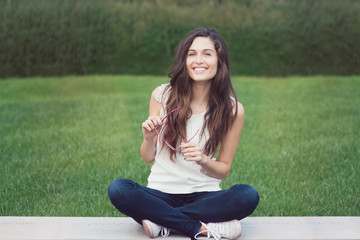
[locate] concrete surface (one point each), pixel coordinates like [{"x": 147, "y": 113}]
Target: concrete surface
[{"x": 96, "y": 228}]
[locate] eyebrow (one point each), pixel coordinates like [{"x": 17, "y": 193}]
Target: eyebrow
[{"x": 206, "y": 49}]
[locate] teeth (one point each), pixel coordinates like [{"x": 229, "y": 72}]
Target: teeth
[{"x": 199, "y": 69}]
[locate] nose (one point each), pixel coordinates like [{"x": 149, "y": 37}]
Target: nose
[{"x": 199, "y": 59}]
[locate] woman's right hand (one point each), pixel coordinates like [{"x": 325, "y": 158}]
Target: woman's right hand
[{"x": 148, "y": 127}]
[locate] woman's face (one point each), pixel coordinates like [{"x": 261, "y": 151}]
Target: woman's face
[{"x": 202, "y": 59}]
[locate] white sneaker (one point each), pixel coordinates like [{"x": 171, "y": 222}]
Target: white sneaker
[
  {"x": 153, "y": 230},
  {"x": 229, "y": 230}
]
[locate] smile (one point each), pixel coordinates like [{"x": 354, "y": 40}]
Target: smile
[{"x": 199, "y": 70}]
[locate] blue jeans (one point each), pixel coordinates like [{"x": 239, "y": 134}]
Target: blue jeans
[{"x": 182, "y": 212}]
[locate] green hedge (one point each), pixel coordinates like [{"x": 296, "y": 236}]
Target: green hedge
[{"x": 274, "y": 37}]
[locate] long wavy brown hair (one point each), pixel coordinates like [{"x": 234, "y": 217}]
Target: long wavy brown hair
[{"x": 221, "y": 112}]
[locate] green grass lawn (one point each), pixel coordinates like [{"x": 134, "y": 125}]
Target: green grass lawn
[{"x": 63, "y": 140}]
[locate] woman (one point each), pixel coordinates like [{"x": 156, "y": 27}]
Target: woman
[{"x": 191, "y": 120}]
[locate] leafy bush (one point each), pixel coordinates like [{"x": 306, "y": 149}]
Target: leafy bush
[{"x": 274, "y": 37}]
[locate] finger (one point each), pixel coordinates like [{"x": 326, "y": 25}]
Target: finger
[
  {"x": 190, "y": 144},
  {"x": 151, "y": 124},
  {"x": 192, "y": 154},
  {"x": 155, "y": 120},
  {"x": 159, "y": 123},
  {"x": 193, "y": 157},
  {"x": 189, "y": 149},
  {"x": 146, "y": 126}
]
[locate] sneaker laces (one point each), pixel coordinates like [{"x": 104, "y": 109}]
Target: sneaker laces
[
  {"x": 210, "y": 232},
  {"x": 165, "y": 232}
]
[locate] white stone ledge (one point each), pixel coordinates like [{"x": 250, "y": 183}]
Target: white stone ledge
[{"x": 96, "y": 228}]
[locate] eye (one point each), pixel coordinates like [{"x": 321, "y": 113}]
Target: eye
[{"x": 191, "y": 54}]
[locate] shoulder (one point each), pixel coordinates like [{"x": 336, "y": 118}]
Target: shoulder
[
  {"x": 160, "y": 93},
  {"x": 239, "y": 110}
]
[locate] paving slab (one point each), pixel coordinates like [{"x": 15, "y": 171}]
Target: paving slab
[
  {"x": 301, "y": 228},
  {"x": 96, "y": 228}
]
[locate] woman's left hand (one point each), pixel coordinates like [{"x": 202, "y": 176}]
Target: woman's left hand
[{"x": 193, "y": 152}]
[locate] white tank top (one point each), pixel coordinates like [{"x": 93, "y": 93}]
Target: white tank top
[{"x": 180, "y": 176}]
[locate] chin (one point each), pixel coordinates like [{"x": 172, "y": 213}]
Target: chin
[{"x": 201, "y": 79}]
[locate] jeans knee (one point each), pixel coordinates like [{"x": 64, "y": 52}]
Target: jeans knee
[
  {"x": 248, "y": 196},
  {"x": 254, "y": 197},
  {"x": 117, "y": 189}
]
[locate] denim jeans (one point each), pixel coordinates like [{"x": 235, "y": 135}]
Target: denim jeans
[{"x": 182, "y": 212}]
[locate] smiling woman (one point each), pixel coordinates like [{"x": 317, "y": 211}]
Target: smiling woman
[
  {"x": 202, "y": 59},
  {"x": 183, "y": 191}
]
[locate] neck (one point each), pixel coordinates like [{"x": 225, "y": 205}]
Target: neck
[{"x": 200, "y": 98}]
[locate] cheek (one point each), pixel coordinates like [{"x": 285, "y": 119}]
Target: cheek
[
  {"x": 213, "y": 73},
  {"x": 187, "y": 63},
  {"x": 215, "y": 67}
]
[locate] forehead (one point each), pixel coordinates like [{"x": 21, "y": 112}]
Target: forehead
[{"x": 201, "y": 43}]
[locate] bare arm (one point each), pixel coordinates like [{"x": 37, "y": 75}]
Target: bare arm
[
  {"x": 219, "y": 169},
  {"x": 148, "y": 147}
]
